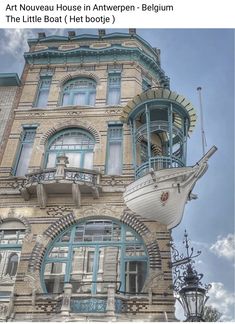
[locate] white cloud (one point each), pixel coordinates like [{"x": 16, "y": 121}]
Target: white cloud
[
  {"x": 222, "y": 300},
  {"x": 224, "y": 247},
  {"x": 14, "y": 41}
]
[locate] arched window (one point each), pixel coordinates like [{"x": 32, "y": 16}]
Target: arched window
[
  {"x": 81, "y": 92},
  {"x": 12, "y": 233},
  {"x": 94, "y": 253},
  {"x": 12, "y": 265},
  {"x": 76, "y": 144}
]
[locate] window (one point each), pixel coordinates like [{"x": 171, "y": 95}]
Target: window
[
  {"x": 12, "y": 265},
  {"x": 114, "y": 150},
  {"x": 146, "y": 84},
  {"x": 76, "y": 144},
  {"x": 134, "y": 276},
  {"x": 11, "y": 238},
  {"x": 25, "y": 151},
  {"x": 100, "y": 251},
  {"x": 79, "y": 92},
  {"x": 143, "y": 152},
  {"x": 114, "y": 89},
  {"x": 43, "y": 92},
  {"x": 90, "y": 261}
]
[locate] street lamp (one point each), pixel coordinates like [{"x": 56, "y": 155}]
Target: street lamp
[
  {"x": 187, "y": 283},
  {"x": 192, "y": 296}
]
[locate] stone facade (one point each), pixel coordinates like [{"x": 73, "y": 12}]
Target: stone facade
[{"x": 47, "y": 203}]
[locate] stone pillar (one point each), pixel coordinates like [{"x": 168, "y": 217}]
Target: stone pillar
[
  {"x": 65, "y": 308},
  {"x": 76, "y": 195},
  {"x": 110, "y": 308},
  {"x": 62, "y": 161},
  {"x": 42, "y": 195}
]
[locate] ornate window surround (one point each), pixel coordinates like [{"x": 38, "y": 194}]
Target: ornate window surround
[{"x": 68, "y": 249}]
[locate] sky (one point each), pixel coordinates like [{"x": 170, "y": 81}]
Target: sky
[{"x": 191, "y": 58}]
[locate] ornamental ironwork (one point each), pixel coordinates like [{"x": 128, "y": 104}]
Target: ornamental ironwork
[
  {"x": 182, "y": 264},
  {"x": 90, "y": 305}
]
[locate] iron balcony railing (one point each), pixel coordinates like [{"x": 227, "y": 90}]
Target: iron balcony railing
[
  {"x": 158, "y": 163},
  {"x": 71, "y": 174}
]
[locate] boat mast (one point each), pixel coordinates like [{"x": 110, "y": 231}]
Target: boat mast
[{"x": 202, "y": 125}]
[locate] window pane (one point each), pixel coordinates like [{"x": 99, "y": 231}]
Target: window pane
[
  {"x": 90, "y": 261},
  {"x": 114, "y": 96},
  {"x": 59, "y": 252},
  {"x": 135, "y": 276},
  {"x": 24, "y": 159},
  {"x": 54, "y": 277},
  {"x": 65, "y": 100},
  {"x": 114, "y": 83},
  {"x": 88, "y": 160},
  {"x": 80, "y": 99},
  {"x": 92, "y": 99},
  {"x": 12, "y": 265},
  {"x": 25, "y": 150},
  {"x": 51, "y": 162},
  {"x": 43, "y": 92},
  {"x": 74, "y": 159},
  {"x": 43, "y": 98},
  {"x": 114, "y": 158}
]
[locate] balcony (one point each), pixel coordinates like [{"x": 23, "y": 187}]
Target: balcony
[
  {"x": 61, "y": 180},
  {"x": 158, "y": 163}
]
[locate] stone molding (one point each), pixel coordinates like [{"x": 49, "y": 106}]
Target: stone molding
[
  {"x": 68, "y": 124},
  {"x": 77, "y": 74},
  {"x": 13, "y": 216},
  {"x": 68, "y": 220}
]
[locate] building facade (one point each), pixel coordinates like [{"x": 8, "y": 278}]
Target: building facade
[{"x": 96, "y": 132}]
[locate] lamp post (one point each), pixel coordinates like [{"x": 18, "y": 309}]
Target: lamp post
[
  {"x": 190, "y": 292},
  {"x": 192, "y": 296}
]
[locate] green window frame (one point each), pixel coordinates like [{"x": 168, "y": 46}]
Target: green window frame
[
  {"x": 24, "y": 151},
  {"x": 43, "y": 91},
  {"x": 96, "y": 251},
  {"x": 80, "y": 92},
  {"x": 77, "y": 144},
  {"x": 114, "y": 88},
  {"x": 146, "y": 84},
  {"x": 114, "y": 153}
]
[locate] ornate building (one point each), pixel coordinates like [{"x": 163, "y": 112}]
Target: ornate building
[{"x": 93, "y": 178}]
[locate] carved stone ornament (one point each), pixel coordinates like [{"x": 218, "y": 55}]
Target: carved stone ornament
[
  {"x": 7, "y": 279},
  {"x": 3, "y": 310},
  {"x": 32, "y": 281}
]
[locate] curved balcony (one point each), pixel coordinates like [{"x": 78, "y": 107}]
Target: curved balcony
[
  {"x": 61, "y": 180},
  {"x": 158, "y": 163}
]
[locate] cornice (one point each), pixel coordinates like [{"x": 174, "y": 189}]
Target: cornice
[{"x": 114, "y": 53}]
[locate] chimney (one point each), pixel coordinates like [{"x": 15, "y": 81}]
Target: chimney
[
  {"x": 41, "y": 35},
  {"x": 71, "y": 33},
  {"x": 101, "y": 32}
]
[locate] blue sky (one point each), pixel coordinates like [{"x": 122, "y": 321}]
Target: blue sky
[{"x": 191, "y": 58}]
